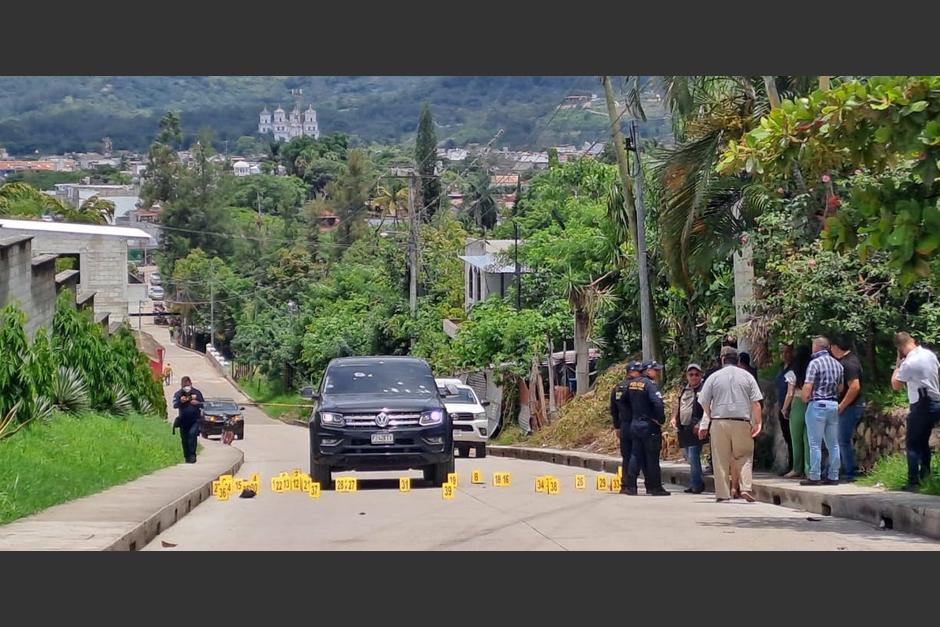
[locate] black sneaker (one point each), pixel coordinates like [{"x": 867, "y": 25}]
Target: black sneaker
[
  {"x": 721, "y": 500},
  {"x": 810, "y": 482},
  {"x": 659, "y": 492},
  {"x": 191, "y": 460},
  {"x": 830, "y": 482},
  {"x": 693, "y": 490},
  {"x": 628, "y": 491},
  {"x": 911, "y": 487}
]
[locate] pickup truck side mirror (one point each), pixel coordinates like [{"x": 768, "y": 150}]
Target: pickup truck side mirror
[
  {"x": 484, "y": 404},
  {"x": 309, "y": 394}
]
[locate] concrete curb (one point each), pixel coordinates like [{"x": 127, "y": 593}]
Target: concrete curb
[
  {"x": 911, "y": 513},
  {"x": 124, "y": 517}
]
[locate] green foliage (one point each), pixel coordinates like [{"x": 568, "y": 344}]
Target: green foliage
[
  {"x": 891, "y": 472},
  {"x": 426, "y": 164},
  {"x": 16, "y": 386},
  {"x": 886, "y": 127},
  {"x": 23, "y": 201},
  {"x": 73, "y": 456},
  {"x": 69, "y": 393}
]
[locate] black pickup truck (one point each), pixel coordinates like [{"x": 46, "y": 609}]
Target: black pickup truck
[{"x": 379, "y": 413}]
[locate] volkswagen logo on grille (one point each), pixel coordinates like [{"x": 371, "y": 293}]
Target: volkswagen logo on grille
[{"x": 382, "y": 419}]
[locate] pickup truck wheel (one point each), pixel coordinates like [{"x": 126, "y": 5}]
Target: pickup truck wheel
[
  {"x": 463, "y": 450},
  {"x": 481, "y": 450},
  {"x": 320, "y": 473},
  {"x": 440, "y": 472}
]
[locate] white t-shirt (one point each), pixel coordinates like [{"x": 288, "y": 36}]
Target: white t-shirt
[
  {"x": 920, "y": 370},
  {"x": 790, "y": 377}
]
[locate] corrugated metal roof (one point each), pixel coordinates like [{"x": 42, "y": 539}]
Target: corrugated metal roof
[
  {"x": 76, "y": 229},
  {"x": 489, "y": 263}
]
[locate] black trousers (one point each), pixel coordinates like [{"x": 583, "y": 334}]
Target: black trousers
[
  {"x": 189, "y": 435},
  {"x": 785, "y": 429},
  {"x": 920, "y": 421},
  {"x": 626, "y": 445},
  {"x": 645, "y": 446}
]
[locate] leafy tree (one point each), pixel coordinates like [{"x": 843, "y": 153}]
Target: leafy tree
[
  {"x": 426, "y": 164},
  {"x": 163, "y": 164},
  {"x": 98, "y": 209},
  {"x": 887, "y": 128}
]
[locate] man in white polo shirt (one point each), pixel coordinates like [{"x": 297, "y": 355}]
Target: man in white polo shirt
[{"x": 919, "y": 369}]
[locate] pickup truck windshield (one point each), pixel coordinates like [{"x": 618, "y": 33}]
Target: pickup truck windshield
[
  {"x": 463, "y": 395},
  {"x": 396, "y": 378}
]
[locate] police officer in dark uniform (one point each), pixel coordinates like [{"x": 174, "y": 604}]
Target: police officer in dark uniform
[
  {"x": 646, "y": 408},
  {"x": 620, "y": 413}
]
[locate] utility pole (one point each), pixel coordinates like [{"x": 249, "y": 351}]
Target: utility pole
[
  {"x": 211, "y": 311},
  {"x": 515, "y": 228},
  {"x": 412, "y": 248},
  {"x": 646, "y": 305}
]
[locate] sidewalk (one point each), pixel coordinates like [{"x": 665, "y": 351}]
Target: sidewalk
[
  {"x": 125, "y": 517},
  {"x": 911, "y": 513}
]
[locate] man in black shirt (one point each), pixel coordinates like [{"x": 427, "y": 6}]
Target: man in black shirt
[
  {"x": 188, "y": 400},
  {"x": 851, "y": 404}
]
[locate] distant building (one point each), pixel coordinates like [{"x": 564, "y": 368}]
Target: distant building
[
  {"x": 486, "y": 269},
  {"x": 124, "y": 197},
  {"x": 9, "y": 166},
  {"x": 241, "y": 168},
  {"x": 286, "y": 127}
]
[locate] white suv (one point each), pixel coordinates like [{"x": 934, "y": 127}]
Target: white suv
[{"x": 468, "y": 415}]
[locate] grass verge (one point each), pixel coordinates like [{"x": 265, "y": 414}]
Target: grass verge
[
  {"x": 891, "y": 472},
  {"x": 70, "y": 457},
  {"x": 261, "y": 390}
]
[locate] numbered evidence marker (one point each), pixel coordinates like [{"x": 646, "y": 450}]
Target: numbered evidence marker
[
  {"x": 313, "y": 490},
  {"x": 448, "y": 490},
  {"x": 346, "y": 484},
  {"x": 255, "y": 478},
  {"x": 215, "y": 488},
  {"x": 541, "y": 484},
  {"x": 225, "y": 491},
  {"x": 603, "y": 483},
  {"x": 615, "y": 484},
  {"x": 476, "y": 477},
  {"x": 580, "y": 482},
  {"x": 452, "y": 478},
  {"x": 278, "y": 485},
  {"x": 404, "y": 484},
  {"x": 305, "y": 482},
  {"x": 502, "y": 479},
  {"x": 620, "y": 472},
  {"x": 554, "y": 486}
]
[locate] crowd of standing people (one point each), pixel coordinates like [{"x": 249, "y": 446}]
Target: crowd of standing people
[{"x": 819, "y": 400}]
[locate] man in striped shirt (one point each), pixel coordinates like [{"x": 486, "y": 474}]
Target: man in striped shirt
[{"x": 824, "y": 382}]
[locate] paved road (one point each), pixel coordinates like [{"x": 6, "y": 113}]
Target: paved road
[{"x": 379, "y": 517}]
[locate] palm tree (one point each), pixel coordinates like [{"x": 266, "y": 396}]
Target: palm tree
[
  {"x": 482, "y": 197},
  {"x": 392, "y": 199},
  {"x": 586, "y": 298},
  {"x": 705, "y": 216},
  {"x": 22, "y": 199},
  {"x": 97, "y": 210}
]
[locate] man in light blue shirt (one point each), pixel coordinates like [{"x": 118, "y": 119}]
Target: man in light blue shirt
[{"x": 821, "y": 392}]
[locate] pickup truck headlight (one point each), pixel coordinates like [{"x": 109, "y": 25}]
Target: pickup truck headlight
[
  {"x": 330, "y": 419},
  {"x": 480, "y": 416},
  {"x": 433, "y": 417}
]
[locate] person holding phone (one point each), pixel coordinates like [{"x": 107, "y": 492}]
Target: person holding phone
[
  {"x": 918, "y": 369},
  {"x": 188, "y": 400}
]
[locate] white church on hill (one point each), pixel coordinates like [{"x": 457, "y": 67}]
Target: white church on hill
[{"x": 286, "y": 127}]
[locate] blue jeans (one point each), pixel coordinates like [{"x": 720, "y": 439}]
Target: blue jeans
[
  {"x": 694, "y": 455},
  {"x": 848, "y": 420},
  {"x": 822, "y": 427}
]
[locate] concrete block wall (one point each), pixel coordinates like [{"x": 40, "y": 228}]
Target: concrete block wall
[
  {"x": 30, "y": 286},
  {"x": 43, "y": 291},
  {"x": 102, "y": 264}
]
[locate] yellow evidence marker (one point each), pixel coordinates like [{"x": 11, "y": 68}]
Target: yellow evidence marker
[
  {"x": 404, "y": 484},
  {"x": 502, "y": 479},
  {"x": 346, "y": 484},
  {"x": 476, "y": 477},
  {"x": 541, "y": 484},
  {"x": 580, "y": 482},
  {"x": 448, "y": 490},
  {"x": 615, "y": 484},
  {"x": 620, "y": 472},
  {"x": 602, "y": 483},
  {"x": 452, "y": 478},
  {"x": 313, "y": 490},
  {"x": 554, "y": 486}
]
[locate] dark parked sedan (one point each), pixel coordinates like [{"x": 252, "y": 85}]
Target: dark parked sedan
[{"x": 216, "y": 411}]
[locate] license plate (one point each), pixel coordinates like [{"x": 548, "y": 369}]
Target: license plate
[{"x": 383, "y": 438}]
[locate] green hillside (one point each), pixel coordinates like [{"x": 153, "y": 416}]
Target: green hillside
[{"x": 54, "y": 114}]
